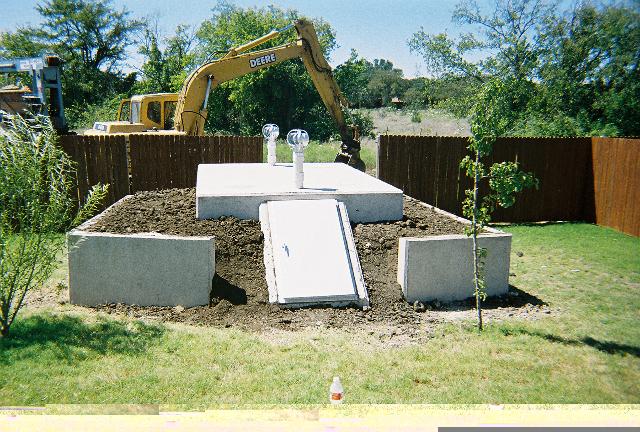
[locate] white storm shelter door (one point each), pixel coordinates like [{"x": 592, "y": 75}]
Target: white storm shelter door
[{"x": 311, "y": 258}]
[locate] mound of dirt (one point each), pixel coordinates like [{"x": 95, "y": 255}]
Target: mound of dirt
[{"x": 240, "y": 297}]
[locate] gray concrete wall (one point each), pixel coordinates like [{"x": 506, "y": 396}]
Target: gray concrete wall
[
  {"x": 143, "y": 269},
  {"x": 441, "y": 267},
  {"x": 239, "y": 190},
  {"x": 363, "y": 208}
]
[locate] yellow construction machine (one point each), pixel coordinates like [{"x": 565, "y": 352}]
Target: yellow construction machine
[{"x": 186, "y": 112}]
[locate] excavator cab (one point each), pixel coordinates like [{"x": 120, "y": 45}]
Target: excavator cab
[{"x": 152, "y": 112}]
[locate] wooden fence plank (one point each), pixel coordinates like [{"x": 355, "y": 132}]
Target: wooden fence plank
[
  {"x": 449, "y": 200},
  {"x": 195, "y": 156},
  {"x": 182, "y": 161},
  {"x": 92, "y": 167},
  {"x": 232, "y": 145},
  {"x": 162, "y": 155},
  {"x": 397, "y": 169},
  {"x": 144, "y": 162},
  {"x": 381, "y": 157},
  {"x": 219, "y": 149},
  {"x": 632, "y": 222},
  {"x": 247, "y": 150},
  {"x": 258, "y": 155},
  {"x": 174, "y": 152},
  {"x": 209, "y": 148},
  {"x": 108, "y": 170},
  {"x": 67, "y": 143},
  {"x": 616, "y": 176},
  {"x": 104, "y": 167},
  {"x": 121, "y": 172},
  {"x": 244, "y": 147},
  {"x": 234, "y": 141},
  {"x": 224, "y": 149},
  {"x": 150, "y": 161},
  {"x": 114, "y": 187},
  {"x": 134, "y": 154}
]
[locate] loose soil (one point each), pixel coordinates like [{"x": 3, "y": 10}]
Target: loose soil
[{"x": 239, "y": 296}]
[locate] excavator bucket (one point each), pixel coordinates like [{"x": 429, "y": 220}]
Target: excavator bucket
[{"x": 352, "y": 160}]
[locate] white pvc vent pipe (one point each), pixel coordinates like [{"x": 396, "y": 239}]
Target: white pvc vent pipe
[
  {"x": 298, "y": 139},
  {"x": 270, "y": 132}
]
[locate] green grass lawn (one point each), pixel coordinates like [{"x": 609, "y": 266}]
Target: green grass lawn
[{"x": 586, "y": 351}]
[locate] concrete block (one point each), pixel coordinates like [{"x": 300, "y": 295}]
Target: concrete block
[
  {"x": 441, "y": 267},
  {"x": 239, "y": 189},
  {"x": 144, "y": 269}
]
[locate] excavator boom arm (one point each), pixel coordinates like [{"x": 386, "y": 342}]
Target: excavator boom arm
[{"x": 191, "y": 111}]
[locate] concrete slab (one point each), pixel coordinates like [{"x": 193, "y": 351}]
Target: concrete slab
[
  {"x": 239, "y": 189},
  {"x": 310, "y": 255}
]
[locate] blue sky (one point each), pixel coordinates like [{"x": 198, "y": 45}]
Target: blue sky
[{"x": 376, "y": 28}]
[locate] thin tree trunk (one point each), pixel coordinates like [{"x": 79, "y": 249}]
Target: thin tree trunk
[{"x": 476, "y": 272}]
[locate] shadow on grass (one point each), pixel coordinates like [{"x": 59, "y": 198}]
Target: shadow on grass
[
  {"x": 537, "y": 224},
  {"x": 69, "y": 337},
  {"x": 514, "y": 298},
  {"x": 608, "y": 347}
]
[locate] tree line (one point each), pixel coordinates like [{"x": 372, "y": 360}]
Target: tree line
[
  {"x": 570, "y": 72},
  {"x": 567, "y": 72}
]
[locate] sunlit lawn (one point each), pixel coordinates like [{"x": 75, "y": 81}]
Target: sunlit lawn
[{"x": 586, "y": 351}]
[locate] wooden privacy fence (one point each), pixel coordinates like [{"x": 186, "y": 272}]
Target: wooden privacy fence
[
  {"x": 616, "y": 183},
  {"x": 99, "y": 159},
  {"x": 595, "y": 180},
  {"x": 151, "y": 161},
  {"x": 171, "y": 161}
]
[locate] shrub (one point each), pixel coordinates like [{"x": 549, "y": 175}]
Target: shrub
[
  {"x": 36, "y": 204},
  {"x": 364, "y": 122},
  {"x": 85, "y": 116}
]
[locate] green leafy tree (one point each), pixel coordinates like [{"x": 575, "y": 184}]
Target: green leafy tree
[
  {"x": 574, "y": 73},
  {"x": 282, "y": 94},
  {"x": 36, "y": 206},
  {"x": 450, "y": 92},
  {"x": 353, "y": 77},
  {"x": 505, "y": 33},
  {"x": 415, "y": 96},
  {"x": 589, "y": 69},
  {"x": 91, "y": 37},
  {"x": 505, "y": 179},
  {"x": 370, "y": 84},
  {"x": 385, "y": 83},
  {"x": 166, "y": 67}
]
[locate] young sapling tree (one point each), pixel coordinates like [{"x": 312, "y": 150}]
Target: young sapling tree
[{"x": 489, "y": 120}]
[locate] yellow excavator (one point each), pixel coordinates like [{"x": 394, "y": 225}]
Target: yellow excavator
[{"x": 186, "y": 112}]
